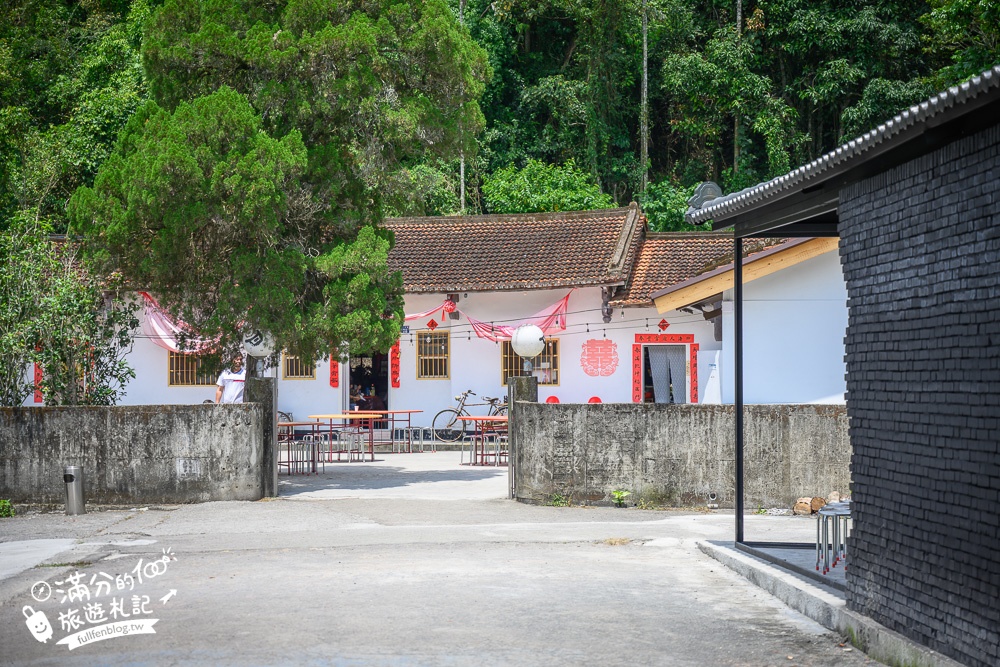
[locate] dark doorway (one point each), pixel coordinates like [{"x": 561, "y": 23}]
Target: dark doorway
[{"x": 370, "y": 374}]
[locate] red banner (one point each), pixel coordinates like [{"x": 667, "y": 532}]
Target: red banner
[
  {"x": 394, "y": 365},
  {"x": 38, "y": 383},
  {"x": 637, "y": 373},
  {"x": 694, "y": 372},
  {"x": 334, "y": 372}
]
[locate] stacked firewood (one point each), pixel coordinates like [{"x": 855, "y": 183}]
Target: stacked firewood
[{"x": 807, "y": 505}]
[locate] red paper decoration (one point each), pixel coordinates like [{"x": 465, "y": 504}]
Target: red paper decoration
[
  {"x": 334, "y": 372},
  {"x": 599, "y": 357},
  {"x": 637, "y": 373},
  {"x": 676, "y": 339},
  {"x": 663, "y": 325},
  {"x": 694, "y": 372},
  {"x": 38, "y": 383},
  {"x": 394, "y": 365},
  {"x": 448, "y": 306},
  {"x": 432, "y": 325}
]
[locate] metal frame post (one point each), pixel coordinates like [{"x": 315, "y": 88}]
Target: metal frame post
[{"x": 738, "y": 408}]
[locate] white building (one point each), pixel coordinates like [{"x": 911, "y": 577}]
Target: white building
[
  {"x": 795, "y": 319},
  {"x": 589, "y": 279}
]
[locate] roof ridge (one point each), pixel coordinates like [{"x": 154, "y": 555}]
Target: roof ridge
[
  {"x": 662, "y": 236},
  {"x": 507, "y": 217}
]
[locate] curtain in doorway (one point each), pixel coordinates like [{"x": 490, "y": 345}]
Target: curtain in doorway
[
  {"x": 669, "y": 370},
  {"x": 659, "y": 368},
  {"x": 678, "y": 372}
]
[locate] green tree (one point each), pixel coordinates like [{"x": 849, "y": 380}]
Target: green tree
[
  {"x": 249, "y": 195},
  {"x": 373, "y": 87},
  {"x": 665, "y": 203},
  {"x": 202, "y": 206},
  {"x": 964, "y": 37},
  {"x": 77, "y": 328},
  {"x": 540, "y": 187}
]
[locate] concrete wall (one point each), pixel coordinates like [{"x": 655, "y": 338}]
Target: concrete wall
[
  {"x": 679, "y": 454},
  {"x": 133, "y": 454},
  {"x": 921, "y": 249}
]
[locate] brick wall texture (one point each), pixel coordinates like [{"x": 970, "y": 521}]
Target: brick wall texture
[{"x": 920, "y": 247}]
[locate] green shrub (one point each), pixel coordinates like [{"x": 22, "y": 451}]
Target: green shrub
[{"x": 6, "y": 509}]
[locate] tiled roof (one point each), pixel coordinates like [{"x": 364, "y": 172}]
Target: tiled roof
[
  {"x": 669, "y": 258},
  {"x": 902, "y": 127},
  {"x": 516, "y": 252}
]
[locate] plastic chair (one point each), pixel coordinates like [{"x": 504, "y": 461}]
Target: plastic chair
[
  {"x": 552, "y": 399},
  {"x": 594, "y": 399}
]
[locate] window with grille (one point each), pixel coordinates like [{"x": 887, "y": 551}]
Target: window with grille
[
  {"x": 188, "y": 370},
  {"x": 545, "y": 366},
  {"x": 294, "y": 369},
  {"x": 432, "y": 355}
]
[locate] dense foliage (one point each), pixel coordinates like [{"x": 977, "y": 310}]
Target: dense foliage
[
  {"x": 72, "y": 325},
  {"x": 248, "y": 193},
  {"x": 542, "y": 187},
  {"x": 384, "y": 92}
]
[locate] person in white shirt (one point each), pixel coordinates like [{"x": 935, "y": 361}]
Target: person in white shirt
[{"x": 231, "y": 382}]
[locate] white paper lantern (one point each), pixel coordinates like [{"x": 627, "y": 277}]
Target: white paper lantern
[
  {"x": 258, "y": 344},
  {"x": 528, "y": 341}
]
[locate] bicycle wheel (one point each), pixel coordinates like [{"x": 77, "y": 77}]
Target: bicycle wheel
[{"x": 446, "y": 426}]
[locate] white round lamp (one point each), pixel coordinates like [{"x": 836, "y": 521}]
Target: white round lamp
[
  {"x": 528, "y": 341},
  {"x": 258, "y": 344}
]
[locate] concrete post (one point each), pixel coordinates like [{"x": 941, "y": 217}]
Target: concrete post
[
  {"x": 265, "y": 392},
  {"x": 518, "y": 389}
]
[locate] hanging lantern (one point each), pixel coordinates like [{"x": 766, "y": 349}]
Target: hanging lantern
[
  {"x": 258, "y": 344},
  {"x": 528, "y": 341},
  {"x": 449, "y": 306}
]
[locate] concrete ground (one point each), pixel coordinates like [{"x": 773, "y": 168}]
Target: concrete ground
[{"x": 412, "y": 560}]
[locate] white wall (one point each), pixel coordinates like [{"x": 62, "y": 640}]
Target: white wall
[
  {"x": 301, "y": 397},
  {"x": 475, "y": 362},
  {"x": 794, "y": 323}
]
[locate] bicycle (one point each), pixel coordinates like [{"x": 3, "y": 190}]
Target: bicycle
[{"x": 445, "y": 425}]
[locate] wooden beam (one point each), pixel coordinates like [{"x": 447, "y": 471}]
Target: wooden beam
[{"x": 752, "y": 269}]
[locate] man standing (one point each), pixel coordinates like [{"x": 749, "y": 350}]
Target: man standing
[{"x": 231, "y": 382}]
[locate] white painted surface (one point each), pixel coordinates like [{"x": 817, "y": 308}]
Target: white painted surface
[
  {"x": 475, "y": 363},
  {"x": 794, "y": 322}
]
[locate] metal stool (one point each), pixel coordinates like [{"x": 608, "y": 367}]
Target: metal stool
[{"x": 833, "y": 523}]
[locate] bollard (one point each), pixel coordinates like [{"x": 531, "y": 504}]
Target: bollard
[{"x": 73, "y": 476}]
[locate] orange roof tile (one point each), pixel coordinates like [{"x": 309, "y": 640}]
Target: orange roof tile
[
  {"x": 671, "y": 257},
  {"x": 516, "y": 252}
]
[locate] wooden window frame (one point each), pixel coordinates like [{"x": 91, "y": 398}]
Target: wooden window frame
[
  {"x": 552, "y": 357},
  {"x": 201, "y": 378},
  {"x": 439, "y": 358},
  {"x": 287, "y": 359}
]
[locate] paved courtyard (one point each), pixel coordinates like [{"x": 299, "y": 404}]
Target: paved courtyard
[{"x": 412, "y": 560}]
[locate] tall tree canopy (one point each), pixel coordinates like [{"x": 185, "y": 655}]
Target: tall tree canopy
[
  {"x": 70, "y": 78},
  {"x": 248, "y": 194}
]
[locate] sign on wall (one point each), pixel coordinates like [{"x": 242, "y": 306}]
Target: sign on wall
[
  {"x": 334, "y": 372},
  {"x": 599, "y": 357}
]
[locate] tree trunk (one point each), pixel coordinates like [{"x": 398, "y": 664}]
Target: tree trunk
[{"x": 644, "y": 111}]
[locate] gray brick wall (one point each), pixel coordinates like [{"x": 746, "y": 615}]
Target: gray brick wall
[{"x": 920, "y": 246}]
